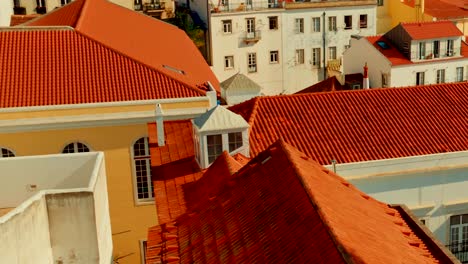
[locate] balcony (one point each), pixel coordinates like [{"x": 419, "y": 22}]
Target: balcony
[
  {"x": 153, "y": 9},
  {"x": 460, "y": 250},
  {"x": 439, "y": 54},
  {"x": 251, "y": 37},
  {"x": 243, "y": 7}
]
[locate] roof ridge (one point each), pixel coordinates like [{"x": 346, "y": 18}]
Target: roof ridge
[
  {"x": 187, "y": 85},
  {"x": 84, "y": 6}
]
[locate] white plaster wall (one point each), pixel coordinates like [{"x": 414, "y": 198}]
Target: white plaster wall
[
  {"x": 298, "y": 77},
  {"x": 362, "y": 52},
  {"x": 405, "y": 75},
  {"x": 268, "y": 76},
  {"x": 429, "y": 46},
  {"x": 25, "y": 238},
  {"x": 46, "y": 172},
  {"x": 238, "y": 96},
  {"x": 6, "y": 10},
  {"x": 101, "y": 211}
]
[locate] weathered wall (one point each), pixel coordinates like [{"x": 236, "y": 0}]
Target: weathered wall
[
  {"x": 6, "y": 10},
  {"x": 25, "y": 238}
]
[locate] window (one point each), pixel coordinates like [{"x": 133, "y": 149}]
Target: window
[
  {"x": 380, "y": 2},
  {"x": 316, "y": 57},
  {"x": 6, "y": 153},
  {"x": 235, "y": 141},
  {"x": 332, "y": 23},
  {"x": 449, "y": 47},
  {"x": 459, "y": 233},
  {"x": 142, "y": 165},
  {"x": 436, "y": 49},
  {"x": 348, "y": 21},
  {"x": 136, "y": 5},
  {"x": 143, "y": 246},
  {"x": 215, "y": 147},
  {"x": 362, "y": 21},
  {"x": 273, "y": 22},
  {"x": 250, "y": 23},
  {"x": 16, "y": 3},
  {"x": 299, "y": 56},
  {"x": 274, "y": 56},
  {"x": 420, "y": 78},
  {"x": 332, "y": 53},
  {"x": 460, "y": 77},
  {"x": 40, "y": 3},
  {"x": 299, "y": 25},
  {"x": 316, "y": 24},
  {"x": 64, "y": 2},
  {"x": 227, "y": 26},
  {"x": 75, "y": 147},
  {"x": 229, "y": 62},
  {"x": 252, "y": 62},
  {"x": 422, "y": 50},
  {"x": 440, "y": 76},
  {"x": 384, "y": 80}
]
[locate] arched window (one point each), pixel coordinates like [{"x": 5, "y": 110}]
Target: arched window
[
  {"x": 75, "y": 147},
  {"x": 6, "y": 153},
  {"x": 142, "y": 165}
]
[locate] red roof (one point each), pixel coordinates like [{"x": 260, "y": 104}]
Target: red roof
[
  {"x": 443, "y": 9},
  {"x": 352, "y": 126},
  {"x": 61, "y": 66},
  {"x": 20, "y": 19},
  {"x": 431, "y": 30},
  {"x": 317, "y": 218},
  {"x": 329, "y": 85},
  {"x": 150, "y": 41}
]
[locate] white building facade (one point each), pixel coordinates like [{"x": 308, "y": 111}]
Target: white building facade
[{"x": 284, "y": 47}]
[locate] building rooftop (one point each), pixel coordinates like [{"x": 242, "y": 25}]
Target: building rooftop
[
  {"x": 362, "y": 125},
  {"x": 443, "y": 9},
  {"x": 20, "y": 19},
  {"x": 150, "y": 41},
  {"x": 328, "y": 85},
  {"x": 251, "y": 217},
  {"x": 431, "y": 30}
]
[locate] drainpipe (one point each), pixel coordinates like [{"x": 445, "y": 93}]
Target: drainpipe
[
  {"x": 160, "y": 125},
  {"x": 365, "y": 82},
  {"x": 323, "y": 48}
]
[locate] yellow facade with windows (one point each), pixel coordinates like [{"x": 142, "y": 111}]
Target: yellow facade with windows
[{"x": 111, "y": 129}]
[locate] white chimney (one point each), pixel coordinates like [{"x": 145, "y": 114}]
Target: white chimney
[
  {"x": 160, "y": 125},
  {"x": 365, "y": 81}
]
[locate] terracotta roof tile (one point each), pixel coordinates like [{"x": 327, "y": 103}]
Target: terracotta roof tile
[
  {"x": 351, "y": 126},
  {"x": 54, "y": 67},
  {"x": 329, "y": 85},
  {"x": 20, "y": 19},
  {"x": 443, "y": 9},
  {"x": 256, "y": 218},
  {"x": 431, "y": 30},
  {"x": 150, "y": 41}
]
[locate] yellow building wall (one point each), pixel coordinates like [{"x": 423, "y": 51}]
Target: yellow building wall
[
  {"x": 384, "y": 21},
  {"x": 462, "y": 25},
  {"x": 129, "y": 222},
  {"x": 400, "y": 12}
]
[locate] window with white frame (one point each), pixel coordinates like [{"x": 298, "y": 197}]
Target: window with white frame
[
  {"x": 450, "y": 47},
  {"x": 64, "y": 2},
  {"x": 348, "y": 22},
  {"x": 332, "y": 23},
  {"x": 362, "y": 21},
  {"x": 420, "y": 78},
  {"x": 422, "y": 50},
  {"x": 380, "y": 2},
  {"x": 332, "y": 53},
  {"x": 316, "y": 57},
  {"x": 143, "y": 246},
  {"x": 250, "y": 23},
  {"x": 75, "y": 147},
  {"x": 235, "y": 141},
  {"x": 440, "y": 76},
  {"x": 299, "y": 25},
  {"x": 142, "y": 168},
  {"x": 274, "y": 56},
  {"x": 460, "y": 77},
  {"x": 40, "y": 3},
  {"x": 273, "y": 22},
  {"x": 252, "y": 62},
  {"x": 229, "y": 62},
  {"x": 214, "y": 146},
  {"x": 436, "y": 48},
  {"x": 227, "y": 26},
  {"x": 6, "y": 153},
  {"x": 459, "y": 233},
  {"x": 299, "y": 56},
  {"x": 316, "y": 24}
]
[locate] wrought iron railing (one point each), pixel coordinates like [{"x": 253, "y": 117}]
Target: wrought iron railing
[
  {"x": 460, "y": 250},
  {"x": 248, "y": 6},
  {"x": 253, "y": 36},
  {"x": 432, "y": 54}
]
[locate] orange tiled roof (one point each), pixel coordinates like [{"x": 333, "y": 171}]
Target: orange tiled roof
[
  {"x": 150, "y": 41},
  {"x": 352, "y": 126},
  {"x": 317, "y": 217},
  {"x": 431, "y": 30},
  {"x": 329, "y": 85},
  {"x": 20, "y": 19},
  {"x": 443, "y": 9},
  {"x": 61, "y": 66}
]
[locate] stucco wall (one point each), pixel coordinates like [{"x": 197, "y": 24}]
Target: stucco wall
[
  {"x": 6, "y": 10},
  {"x": 25, "y": 238},
  {"x": 130, "y": 221}
]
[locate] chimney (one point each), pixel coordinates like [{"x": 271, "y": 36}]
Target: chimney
[
  {"x": 365, "y": 81},
  {"x": 160, "y": 125}
]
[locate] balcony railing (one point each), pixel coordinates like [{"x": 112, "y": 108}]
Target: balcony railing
[
  {"x": 250, "y": 37},
  {"x": 440, "y": 54},
  {"x": 249, "y": 6},
  {"x": 460, "y": 250}
]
